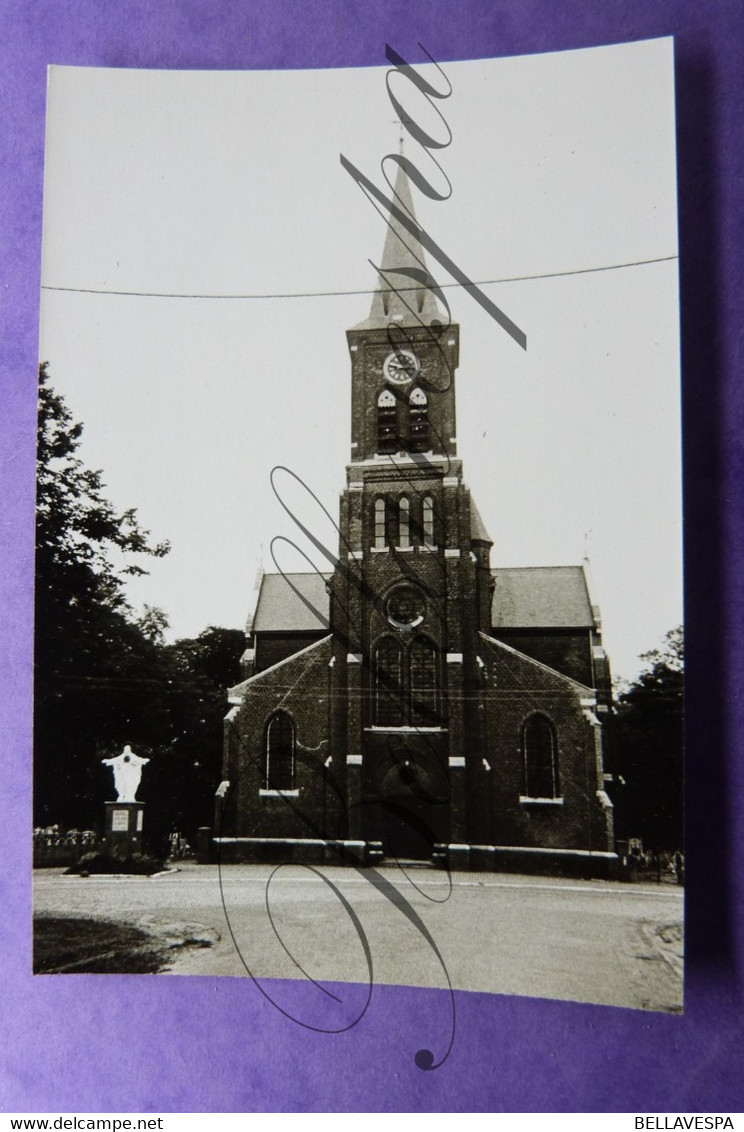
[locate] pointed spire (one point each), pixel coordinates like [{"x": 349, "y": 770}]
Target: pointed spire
[{"x": 401, "y": 298}]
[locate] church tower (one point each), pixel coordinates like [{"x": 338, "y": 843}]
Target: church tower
[
  {"x": 416, "y": 703},
  {"x": 412, "y": 587}
]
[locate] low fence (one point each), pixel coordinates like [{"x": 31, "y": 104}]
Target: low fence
[
  {"x": 54, "y": 847},
  {"x": 650, "y": 867}
]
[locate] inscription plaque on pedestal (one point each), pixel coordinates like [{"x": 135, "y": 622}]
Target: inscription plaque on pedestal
[
  {"x": 124, "y": 822},
  {"x": 120, "y": 820}
]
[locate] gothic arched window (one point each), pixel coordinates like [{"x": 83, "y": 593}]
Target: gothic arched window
[
  {"x": 540, "y": 751},
  {"x": 404, "y": 522},
  {"x": 428, "y": 520},
  {"x": 389, "y": 692},
  {"x": 279, "y": 753},
  {"x": 406, "y": 683},
  {"x": 418, "y": 421},
  {"x": 387, "y": 422},
  {"x": 380, "y": 533},
  {"x": 424, "y": 683}
]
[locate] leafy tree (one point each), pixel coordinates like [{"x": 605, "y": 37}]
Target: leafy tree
[
  {"x": 104, "y": 677},
  {"x": 187, "y": 768},
  {"x": 648, "y": 748},
  {"x": 93, "y": 663},
  {"x": 76, "y": 526}
]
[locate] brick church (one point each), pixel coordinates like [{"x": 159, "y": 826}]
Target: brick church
[{"x": 417, "y": 703}]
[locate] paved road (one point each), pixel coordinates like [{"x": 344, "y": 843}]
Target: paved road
[{"x": 590, "y": 941}]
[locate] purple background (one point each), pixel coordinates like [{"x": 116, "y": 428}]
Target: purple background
[{"x": 216, "y": 1045}]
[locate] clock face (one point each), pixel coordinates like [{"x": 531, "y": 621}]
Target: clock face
[{"x": 401, "y": 366}]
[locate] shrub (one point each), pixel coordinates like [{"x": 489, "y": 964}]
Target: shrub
[{"x": 139, "y": 864}]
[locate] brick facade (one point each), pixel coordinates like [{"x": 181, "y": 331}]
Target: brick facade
[{"x": 421, "y": 704}]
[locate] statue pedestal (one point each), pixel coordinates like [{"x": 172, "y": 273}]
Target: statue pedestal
[{"x": 124, "y": 821}]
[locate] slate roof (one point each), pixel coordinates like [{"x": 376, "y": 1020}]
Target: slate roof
[
  {"x": 500, "y": 646},
  {"x": 292, "y": 603},
  {"x": 525, "y": 597},
  {"x": 541, "y": 597}
]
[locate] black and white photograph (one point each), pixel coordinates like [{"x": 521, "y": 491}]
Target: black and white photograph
[{"x": 358, "y": 643}]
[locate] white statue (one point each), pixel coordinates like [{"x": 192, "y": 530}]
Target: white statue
[{"x": 127, "y": 773}]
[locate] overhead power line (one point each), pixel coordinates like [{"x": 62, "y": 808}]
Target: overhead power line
[{"x": 363, "y": 291}]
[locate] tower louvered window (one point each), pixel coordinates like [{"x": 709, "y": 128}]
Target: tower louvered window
[
  {"x": 387, "y": 423},
  {"x": 418, "y": 421},
  {"x": 427, "y": 511},
  {"x": 380, "y": 532},
  {"x": 540, "y": 751},
  {"x": 404, "y": 523}
]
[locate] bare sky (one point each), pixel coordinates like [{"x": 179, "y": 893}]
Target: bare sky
[{"x": 229, "y": 184}]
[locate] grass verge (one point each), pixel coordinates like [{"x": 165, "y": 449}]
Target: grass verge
[{"x": 77, "y": 945}]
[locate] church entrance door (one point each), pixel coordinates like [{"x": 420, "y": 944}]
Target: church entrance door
[
  {"x": 406, "y": 827},
  {"x": 406, "y": 795}
]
